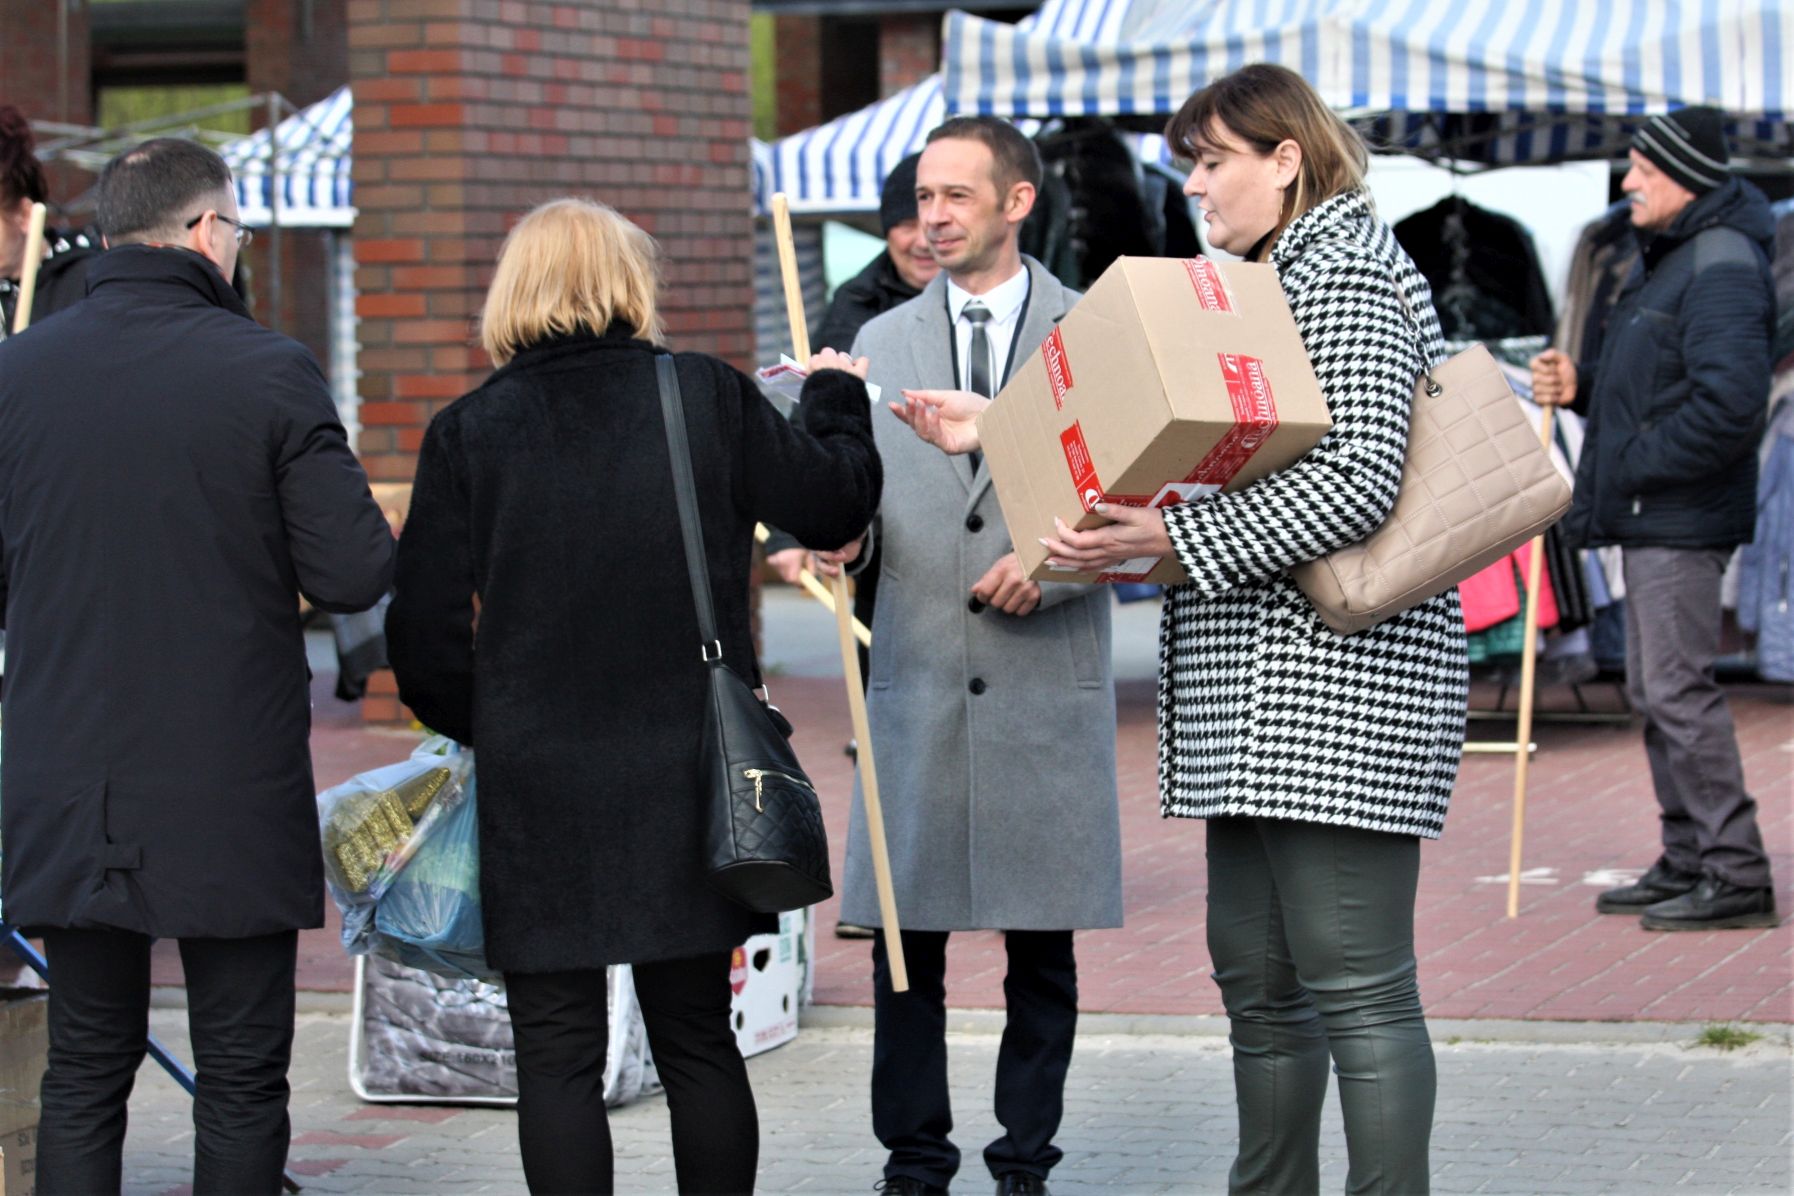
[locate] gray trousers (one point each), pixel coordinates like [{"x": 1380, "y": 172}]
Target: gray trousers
[
  {"x": 1311, "y": 930},
  {"x": 1672, "y": 636}
]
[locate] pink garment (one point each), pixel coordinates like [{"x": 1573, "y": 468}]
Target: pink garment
[{"x": 1493, "y": 595}]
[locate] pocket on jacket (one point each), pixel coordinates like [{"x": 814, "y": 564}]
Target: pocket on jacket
[{"x": 1080, "y": 641}]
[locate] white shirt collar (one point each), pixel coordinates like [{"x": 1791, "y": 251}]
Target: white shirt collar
[{"x": 1004, "y": 300}]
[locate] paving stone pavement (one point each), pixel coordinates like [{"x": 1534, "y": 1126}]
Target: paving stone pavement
[{"x": 1146, "y": 1112}]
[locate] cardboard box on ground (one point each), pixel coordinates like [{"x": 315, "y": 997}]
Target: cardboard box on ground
[
  {"x": 24, "y": 1050},
  {"x": 1171, "y": 380}
]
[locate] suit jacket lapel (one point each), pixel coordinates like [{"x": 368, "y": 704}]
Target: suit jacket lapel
[{"x": 931, "y": 352}]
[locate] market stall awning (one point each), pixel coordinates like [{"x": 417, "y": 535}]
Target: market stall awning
[
  {"x": 314, "y": 151},
  {"x": 838, "y": 167},
  {"x": 1519, "y": 80}
]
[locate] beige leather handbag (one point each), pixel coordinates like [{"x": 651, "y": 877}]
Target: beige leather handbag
[{"x": 1476, "y": 485}]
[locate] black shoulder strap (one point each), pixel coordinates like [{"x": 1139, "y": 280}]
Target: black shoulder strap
[{"x": 685, "y": 489}]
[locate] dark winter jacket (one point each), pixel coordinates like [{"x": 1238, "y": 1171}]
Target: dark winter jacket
[
  {"x": 61, "y": 279},
  {"x": 872, "y": 292},
  {"x": 1677, "y": 401},
  {"x": 547, "y": 496},
  {"x": 172, "y": 478}
]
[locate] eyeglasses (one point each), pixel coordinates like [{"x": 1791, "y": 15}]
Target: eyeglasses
[{"x": 243, "y": 232}]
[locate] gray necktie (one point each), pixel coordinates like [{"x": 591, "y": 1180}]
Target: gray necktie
[{"x": 978, "y": 371}]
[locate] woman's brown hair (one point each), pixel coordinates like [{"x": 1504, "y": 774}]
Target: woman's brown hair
[
  {"x": 21, "y": 175},
  {"x": 1263, "y": 105},
  {"x": 571, "y": 265}
]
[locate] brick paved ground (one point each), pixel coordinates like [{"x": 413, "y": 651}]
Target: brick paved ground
[
  {"x": 1589, "y": 812},
  {"x": 1145, "y": 1113}
]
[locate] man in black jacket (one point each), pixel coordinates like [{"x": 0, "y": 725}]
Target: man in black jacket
[
  {"x": 1676, "y": 407},
  {"x": 172, "y": 478}
]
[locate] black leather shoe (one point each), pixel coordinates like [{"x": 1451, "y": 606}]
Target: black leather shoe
[
  {"x": 906, "y": 1185},
  {"x": 1659, "y": 884},
  {"x": 1714, "y": 905},
  {"x": 1021, "y": 1183}
]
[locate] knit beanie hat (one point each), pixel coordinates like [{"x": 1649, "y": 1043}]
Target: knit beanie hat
[
  {"x": 1688, "y": 145},
  {"x": 897, "y": 199}
]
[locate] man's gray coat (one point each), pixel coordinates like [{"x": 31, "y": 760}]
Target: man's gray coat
[{"x": 994, "y": 735}]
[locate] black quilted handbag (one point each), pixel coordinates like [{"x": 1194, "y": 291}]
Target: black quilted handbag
[{"x": 764, "y": 844}]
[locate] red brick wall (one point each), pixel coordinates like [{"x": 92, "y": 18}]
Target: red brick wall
[
  {"x": 468, "y": 112},
  {"x": 909, "y": 50},
  {"x": 303, "y": 55},
  {"x": 798, "y": 89},
  {"x": 31, "y": 75}
]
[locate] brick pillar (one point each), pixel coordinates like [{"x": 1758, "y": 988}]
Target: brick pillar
[
  {"x": 798, "y": 88},
  {"x": 468, "y": 112},
  {"x": 48, "y": 76},
  {"x": 909, "y": 50},
  {"x": 299, "y": 48}
]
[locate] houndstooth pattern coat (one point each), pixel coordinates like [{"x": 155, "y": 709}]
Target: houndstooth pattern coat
[{"x": 1262, "y": 709}]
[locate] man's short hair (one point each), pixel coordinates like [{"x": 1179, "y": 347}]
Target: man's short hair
[
  {"x": 152, "y": 189},
  {"x": 1015, "y": 158}
]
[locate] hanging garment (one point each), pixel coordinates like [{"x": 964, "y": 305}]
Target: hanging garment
[
  {"x": 1606, "y": 254},
  {"x": 1483, "y": 268},
  {"x": 1494, "y": 595},
  {"x": 1765, "y": 601}
]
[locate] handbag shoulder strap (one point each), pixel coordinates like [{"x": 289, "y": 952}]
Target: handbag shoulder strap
[
  {"x": 1426, "y": 358},
  {"x": 685, "y": 489}
]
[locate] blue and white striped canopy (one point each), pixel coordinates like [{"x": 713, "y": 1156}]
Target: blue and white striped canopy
[
  {"x": 313, "y": 168},
  {"x": 1523, "y": 80},
  {"x": 839, "y": 167}
]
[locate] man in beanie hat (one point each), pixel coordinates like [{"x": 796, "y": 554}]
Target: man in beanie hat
[
  {"x": 1676, "y": 405},
  {"x": 895, "y": 276}
]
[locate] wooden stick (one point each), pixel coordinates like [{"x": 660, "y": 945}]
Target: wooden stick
[
  {"x": 1529, "y": 653},
  {"x": 850, "y": 658},
  {"x": 34, "y": 260},
  {"x": 815, "y": 589}
]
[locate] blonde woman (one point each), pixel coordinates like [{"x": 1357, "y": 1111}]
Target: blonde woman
[
  {"x": 1320, "y": 761},
  {"x": 544, "y": 501}
]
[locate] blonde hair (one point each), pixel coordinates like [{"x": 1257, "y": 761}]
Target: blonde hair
[
  {"x": 1264, "y": 105},
  {"x": 570, "y": 265}
]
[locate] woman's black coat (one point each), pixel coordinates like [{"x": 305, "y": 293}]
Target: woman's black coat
[
  {"x": 172, "y": 477},
  {"x": 548, "y": 493}
]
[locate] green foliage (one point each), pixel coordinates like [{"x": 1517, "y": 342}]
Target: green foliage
[
  {"x": 763, "y": 74},
  {"x": 1726, "y": 1037},
  {"x": 127, "y": 105}
]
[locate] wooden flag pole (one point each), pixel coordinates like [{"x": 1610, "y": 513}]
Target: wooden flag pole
[
  {"x": 818, "y": 591},
  {"x": 34, "y": 258},
  {"x": 1529, "y": 654},
  {"x": 850, "y": 657}
]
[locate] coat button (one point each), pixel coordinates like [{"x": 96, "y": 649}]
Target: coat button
[
  {"x": 975, "y": 605},
  {"x": 977, "y": 685},
  {"x": 974, "y": 523}
]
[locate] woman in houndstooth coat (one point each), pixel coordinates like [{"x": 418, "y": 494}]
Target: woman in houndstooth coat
[{"x": 1320, "y": 761}]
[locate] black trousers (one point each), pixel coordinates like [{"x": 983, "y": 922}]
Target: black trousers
[
  {"x": 559, "y": 1021},
  {"x": 240, "y": 1016},
  {"x": 912, "y": 1114}
]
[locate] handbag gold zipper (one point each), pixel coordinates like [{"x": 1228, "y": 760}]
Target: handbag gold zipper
[{"x": 758, "y": 777}]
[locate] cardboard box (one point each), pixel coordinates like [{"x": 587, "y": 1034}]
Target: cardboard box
[
  {"x": 1171, "y": 380},
  {"x": 767, "y": 974},
  {"x": 24, "y": 1053}
]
